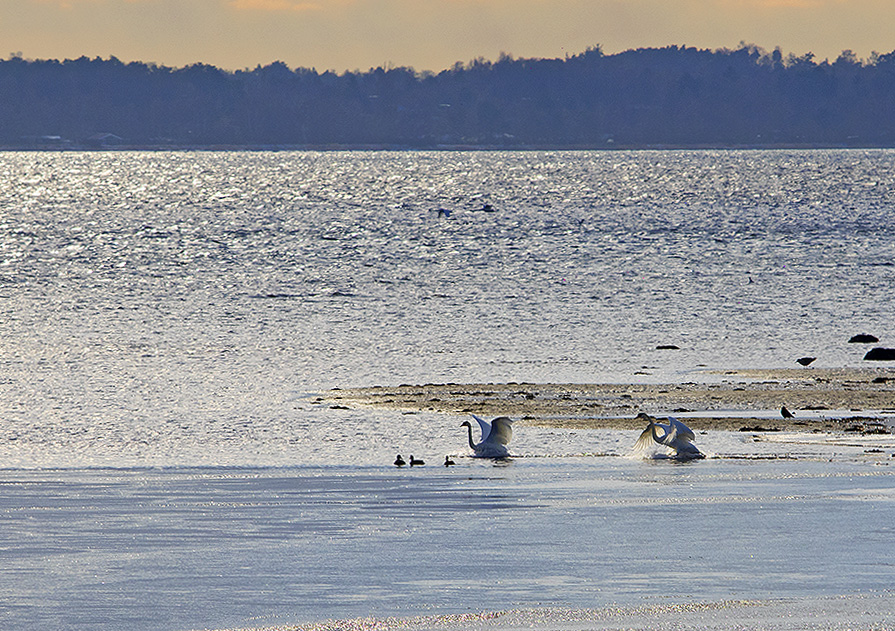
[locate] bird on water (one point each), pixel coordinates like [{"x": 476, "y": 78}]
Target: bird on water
[
  {"x": 804, "y": 361},
  {"x": 495, "y": 437},
  {"x": 399, "y": 461},
  {"x": 415, "y": 462},
  {"x": 674, "y": 435},
  {"x": 448, "y": 462},
  {"x": 786, "y": 413}
]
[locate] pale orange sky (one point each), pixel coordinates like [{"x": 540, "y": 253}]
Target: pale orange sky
[{"x": 427, "y": 34}]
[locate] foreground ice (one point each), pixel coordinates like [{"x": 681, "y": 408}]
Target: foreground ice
[{"x": 770, "y": 535}]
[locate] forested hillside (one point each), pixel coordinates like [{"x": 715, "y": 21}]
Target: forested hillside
[{"x": 671, "y": 96}]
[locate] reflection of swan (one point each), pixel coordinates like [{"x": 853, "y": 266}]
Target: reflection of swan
[
  {"x": 495, "y": 436},
  {"x": 676, "y": 436}
]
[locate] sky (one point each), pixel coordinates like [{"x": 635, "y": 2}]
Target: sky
[{"x": 344, "y": 35}]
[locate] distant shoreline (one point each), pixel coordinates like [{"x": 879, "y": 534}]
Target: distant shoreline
[
  {"x": 653, "y": 97},
  {"x": 859, "y": 400}
]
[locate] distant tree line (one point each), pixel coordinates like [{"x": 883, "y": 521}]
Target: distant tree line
[{"x": 674, "y": 96}]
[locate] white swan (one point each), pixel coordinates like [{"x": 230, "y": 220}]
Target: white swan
[
  {"x": 495, "y": 436},
  {"x": 675, "y": 436}
]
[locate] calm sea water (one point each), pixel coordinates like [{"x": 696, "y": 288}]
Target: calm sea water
[{"x": 166, "y": 320}]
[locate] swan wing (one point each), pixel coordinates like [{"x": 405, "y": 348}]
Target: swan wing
[
  {"x": 501, "y": 430},
  {"x": 645, "y": 439},
  {"x": 670, "y": 434},
  {"x": 485, "y": 425},
  {"x": 682, "y": 430}
]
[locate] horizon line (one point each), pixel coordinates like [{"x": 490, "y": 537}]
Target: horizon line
[{"x": 502, "y": 57}]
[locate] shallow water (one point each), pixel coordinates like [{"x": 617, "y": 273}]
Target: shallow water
[{"x": 167, "y": 320}]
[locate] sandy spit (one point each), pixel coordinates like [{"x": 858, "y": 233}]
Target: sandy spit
[{"x": 839, "y": 399}]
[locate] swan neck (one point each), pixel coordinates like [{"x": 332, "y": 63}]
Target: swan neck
[{"x": 469, "y": 432}]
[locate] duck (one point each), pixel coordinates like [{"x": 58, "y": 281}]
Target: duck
[
  {"x": 399, "y": 461},
  {"x": 448, "y": 462},
  {"x": 415, "y": 462}
]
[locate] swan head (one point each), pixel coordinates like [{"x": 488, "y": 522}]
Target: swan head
[
  {"x": 643, "y": 416},
  {"x": 466, "y": 424}
]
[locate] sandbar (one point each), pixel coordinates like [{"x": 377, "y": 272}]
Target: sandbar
[{"x": 821, "y": 399}]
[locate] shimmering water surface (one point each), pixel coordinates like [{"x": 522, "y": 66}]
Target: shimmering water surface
[{"x": 166, "y": 320}]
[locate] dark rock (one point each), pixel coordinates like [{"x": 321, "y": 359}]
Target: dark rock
[
  {"x": 880, "y": 354},
  {"x": 863, "y": 338},
  {"x": 668, "y": 347}
]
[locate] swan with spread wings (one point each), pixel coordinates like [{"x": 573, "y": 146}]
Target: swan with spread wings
[
  {"x": 674, "y": 435},
  {"x": 495, "y": 436}
]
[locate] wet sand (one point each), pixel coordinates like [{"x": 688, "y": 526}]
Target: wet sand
[{"x": 823, "y": 399}]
